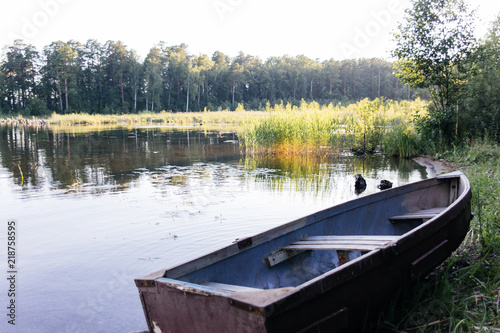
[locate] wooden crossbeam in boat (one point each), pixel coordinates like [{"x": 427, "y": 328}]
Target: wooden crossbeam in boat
[
  {"x": 228, "y": 287},
  {"x": 363, "y": 243},
  {"x": 424, "y": 214},
  {"x": 348, "y": 243}
]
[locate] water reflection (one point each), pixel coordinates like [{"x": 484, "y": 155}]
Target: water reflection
[
  {"x": 314, "y": 172},
  {"x": 109, "y": 160},
  {"x": 106, "y": 160}
]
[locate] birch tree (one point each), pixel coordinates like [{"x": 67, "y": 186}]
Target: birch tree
[{"x": 435, "y": 48}]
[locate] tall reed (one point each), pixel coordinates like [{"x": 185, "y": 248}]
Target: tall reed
[
  {"x": 401, "y": 140},
  {"x": 311, "y": 127},
  {"x": 291, "y": 131}
]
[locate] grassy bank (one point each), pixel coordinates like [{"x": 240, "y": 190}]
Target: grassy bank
[{"x": 463, "y": 294}]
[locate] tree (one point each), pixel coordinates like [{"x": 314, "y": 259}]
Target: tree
[
  {"x": 135, "y": 77},
  {"x": 153, "y": 69},
  {"x": 3, "y": 90},
  {"x": 109, "y": 78},
  {"x": 292, "y": 77},
  {"x": 435, "y": 45},
  {"x": 202, "y": 65},
  {"x": 308, "y": 70},
  {"x": 483, "y": 98},
  {"x": 177, "y": 75},
  {"x": 19, "y": 70},
  {"x": 219, "y": 93},
  {"x": 60, "y": 71},
  {"x": 272, "y": 75},
  {"x": 332, "y": 78},
  {"x": 236, "y": 76},
  {"x": 92, "y": 77},
  {"x": 116, "y": 61}
]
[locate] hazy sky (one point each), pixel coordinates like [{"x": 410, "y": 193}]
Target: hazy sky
[{"x": 321, "y": 29}]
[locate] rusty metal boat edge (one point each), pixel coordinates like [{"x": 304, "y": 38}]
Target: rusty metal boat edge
[{"x": 239, "y": 289}]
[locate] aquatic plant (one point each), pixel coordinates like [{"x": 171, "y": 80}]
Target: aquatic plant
[
  {"x": 309, "y": 127},
  {"x": 401, "y": 140}
]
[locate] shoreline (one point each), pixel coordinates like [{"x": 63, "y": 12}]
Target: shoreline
[{"x": 435, "y": 167}]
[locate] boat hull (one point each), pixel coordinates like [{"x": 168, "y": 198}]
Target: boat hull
[{"x": 336, "y": 300}]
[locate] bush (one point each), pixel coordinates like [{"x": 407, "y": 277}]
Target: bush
[{"x": 436, "y": 126}]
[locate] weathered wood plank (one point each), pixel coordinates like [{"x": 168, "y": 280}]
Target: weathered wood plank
[
  {"x": 228, "y": 287},
  {"x": 332, "y": 247},
  {"x": 341, "y": 242},
  {"x": 384, "y": 238},
  {"x": 421, "y": 214},
  {"x": 279, "y": 256}
]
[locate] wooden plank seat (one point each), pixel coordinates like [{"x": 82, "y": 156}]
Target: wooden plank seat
[
  {"x": 363, "y": 243},
  {"x": 346, "y": 243},
  {"x": 424, "y": 214},
  {"x": 228, "y": 287}
]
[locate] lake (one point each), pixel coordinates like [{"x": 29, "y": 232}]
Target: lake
[{"x": 94, "y": 210}]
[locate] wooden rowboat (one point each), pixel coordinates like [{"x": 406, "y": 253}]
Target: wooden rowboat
[{"x": 319, "y": 273}]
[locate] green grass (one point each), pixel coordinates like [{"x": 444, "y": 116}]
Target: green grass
[
  {"x": 463, "y": 294},
  {"x": 459, "y": 296},
  {"x": 401, "y": 140},
  {"x": 292, "y": 131},
  {"x": 481, "y": 162}
]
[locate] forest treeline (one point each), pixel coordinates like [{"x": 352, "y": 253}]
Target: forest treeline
[{"x": 111, "y": 78}]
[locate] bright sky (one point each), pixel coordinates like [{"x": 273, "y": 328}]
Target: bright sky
[{"x": 320, "y": 29}]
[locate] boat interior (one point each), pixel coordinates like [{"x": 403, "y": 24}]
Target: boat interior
[{"x": 304, "y": 249}]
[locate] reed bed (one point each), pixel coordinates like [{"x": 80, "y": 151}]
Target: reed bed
[
  {"x": 363, "y": 126},
  {"x": 162, "y": 118}
]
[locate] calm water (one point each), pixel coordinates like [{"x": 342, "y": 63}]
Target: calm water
[{"x": 96, "y": 210}]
